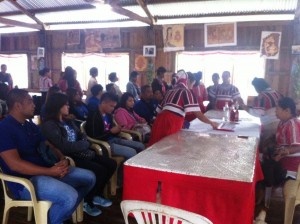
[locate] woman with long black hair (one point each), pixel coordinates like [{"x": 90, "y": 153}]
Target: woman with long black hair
[{"x": 63, "y": 134}]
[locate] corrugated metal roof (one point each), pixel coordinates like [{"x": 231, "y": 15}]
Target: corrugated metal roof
[
  {"x": 36, "y": 5},
  {"x": 223, "y": 7},
  {"x": 79, "y": 11}
]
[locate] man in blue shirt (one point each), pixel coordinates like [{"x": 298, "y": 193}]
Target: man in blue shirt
[
  {"x": 146, "y": 107},
  {"x": 94, "y": 101},
  {"x": 59, "y": 183}
]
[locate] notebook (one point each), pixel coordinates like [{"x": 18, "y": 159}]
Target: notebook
[{"x": 226, "y": 126}]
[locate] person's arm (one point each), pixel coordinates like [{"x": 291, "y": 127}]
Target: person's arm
[
  {"x": 15, "y": 163},
  {"x": 53, "y": 133},
  {"x": 121, "y": 119},
  {"x": 204, "y": 119},
  {"x": 10, "y": 81},
  {"x": 130, "y": 88},
  {"x": 139, "y": 119}
]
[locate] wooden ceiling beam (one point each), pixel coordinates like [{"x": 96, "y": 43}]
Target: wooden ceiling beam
[
  {"x": 146, "y": 10},
  {"x": 118, "y": 9},
  {"x": 26, "y": 12},
  {"x": 11, "y": 22},
  {"x": 297, "y": 12}
]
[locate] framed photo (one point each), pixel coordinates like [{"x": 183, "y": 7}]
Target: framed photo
[
  {"x": 220, "y": 34},
  {"x": 270, "y": 44},
  {"x": 296, "y": 49},
  {"x": 149, "y": 51},
  {"x": 40, "y": 52}
]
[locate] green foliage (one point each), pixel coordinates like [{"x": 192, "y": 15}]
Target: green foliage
[
  {"x": 295, "y": 75},
  {"x": 150, "y": 71}
]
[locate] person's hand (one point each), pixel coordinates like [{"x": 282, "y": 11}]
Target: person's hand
[
  {"x": 60, "y": 169},
  {"x": 280, "y": 153},
  {"x": 214, "y": 124},
  {"x": 142, "y": 121},
  {"x": 116, "y": 129},
  {"x": 63, "y": 162}
]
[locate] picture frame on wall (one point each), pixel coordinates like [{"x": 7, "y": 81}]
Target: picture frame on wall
[
  {"x": 40, "y": 52},
  {"x": 149, "y": 51},
  {"x": 220, "y": 34},
  {"x": 296, "y": 49},
  {"x": 270, "y": 44}
]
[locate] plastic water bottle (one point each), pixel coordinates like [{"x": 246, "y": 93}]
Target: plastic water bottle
[{"x": 226, "y": 112}]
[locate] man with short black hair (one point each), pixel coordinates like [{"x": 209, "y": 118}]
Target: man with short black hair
[
  {"x": 132, "y": 86},
  {"x": 58, "y": 183},
  {"x": 94, "y": 101},
  {"x": 146, "y": 107},
  {"x": 100, "y": 125},
  {"x": 158, "y": 83}
]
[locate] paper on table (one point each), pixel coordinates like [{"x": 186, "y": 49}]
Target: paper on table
[{"x": 226, "y": 126}]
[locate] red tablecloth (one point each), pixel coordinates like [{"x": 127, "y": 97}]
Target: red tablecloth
[
  {"x": 221, "y": 201},
  {"x": 212, "y": 175}
]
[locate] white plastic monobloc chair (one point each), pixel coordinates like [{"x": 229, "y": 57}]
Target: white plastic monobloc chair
[
  {"x": 148, "y": 212},
  {"x": 40, "y": 208}
]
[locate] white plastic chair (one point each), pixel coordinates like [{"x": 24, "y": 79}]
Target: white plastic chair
[
  {"x": 97, "y": 145},
  {"x": 39, "y": 208},
  {"x": 291, "y": 193},
  {"x": 152, "y": 213}
]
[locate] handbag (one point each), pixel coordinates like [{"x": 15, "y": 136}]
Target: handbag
[
  {"x": 47, "y": 154},
  {"x": 144, "y": 129}
]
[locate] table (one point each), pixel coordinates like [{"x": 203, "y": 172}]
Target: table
[
  {"x": 213, "y": 175},
  {"x": 247, "y": 126}
]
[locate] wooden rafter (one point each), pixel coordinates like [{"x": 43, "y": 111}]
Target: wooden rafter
[
  {"x": 297, "y": 12},
  {"x": 26, "y": 12},
  {"x": 11, "y": 22},
  {"x": 143, "y": 4},
  {"x": 118, "y": 9}
]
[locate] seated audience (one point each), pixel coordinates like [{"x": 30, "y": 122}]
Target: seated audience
[
  {"x": 146, "y": 107},
  {"x": 94, "y": 100},
  {"x": 158, "y": 83},
  {"x": 158, "y": 97},
  {"x": 132, "y": 86},
  {"x": 67, "y": 138},
  {"x": 283, "y": 154},
  {"x": 176, "y": 103},
  {"x": 93, "y": 81},
  {"x": 100, "y": 125},
  {"x": 113, "y": 78},
  {"x": 62, "y": 185},
  {"x": 124, "y": 115},
  {"x": 128, "y": 119},
  {"x": 211, "y": 91},
  {"x": 77, "y": 108},
  {"x": 110, "y": 88},
  {"x": 51, "y": 91}
]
